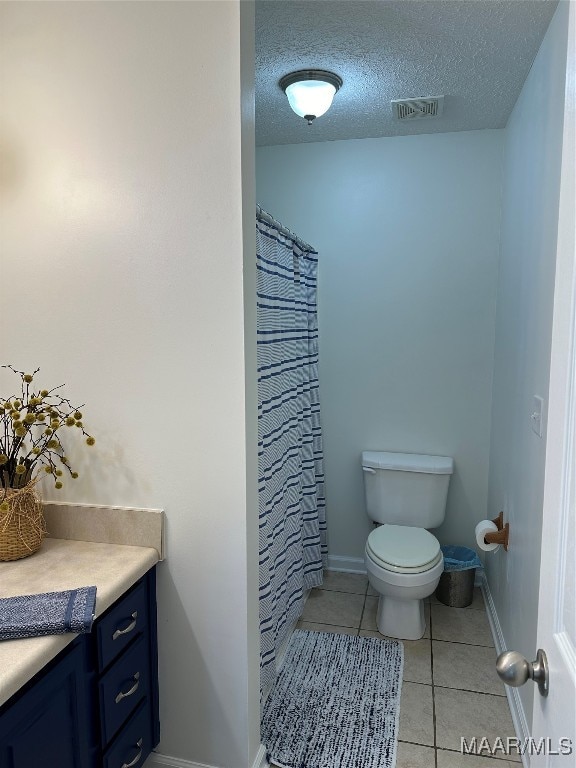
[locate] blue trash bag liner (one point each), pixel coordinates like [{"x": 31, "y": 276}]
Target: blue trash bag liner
[{"x": 460, "y": 558}]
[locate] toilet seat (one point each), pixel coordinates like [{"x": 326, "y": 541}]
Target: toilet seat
[{"x": 403, "y": 549}]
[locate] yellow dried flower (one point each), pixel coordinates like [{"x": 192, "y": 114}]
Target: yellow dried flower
[{"x": 27, "y": 451}]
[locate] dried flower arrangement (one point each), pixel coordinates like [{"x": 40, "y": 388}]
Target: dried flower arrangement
[{"x": 31, "y": 424}]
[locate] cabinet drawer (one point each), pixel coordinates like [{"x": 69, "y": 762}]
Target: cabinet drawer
[
  {"x": 134, "y": 742},
  {"x": 122, "y": 624},
  {"x": 125, "y": 684}
]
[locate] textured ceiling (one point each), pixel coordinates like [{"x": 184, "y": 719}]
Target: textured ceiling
[{"x": 476, "y": 53}]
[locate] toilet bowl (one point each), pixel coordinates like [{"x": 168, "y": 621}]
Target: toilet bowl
[
  {"x": 404, "y": 565},
  {"x": 405, "y": 496}
]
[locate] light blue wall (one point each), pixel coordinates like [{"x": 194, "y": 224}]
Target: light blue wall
[
  {"x": 407, "y": 229},
  {"x": 532, "y": 160}
]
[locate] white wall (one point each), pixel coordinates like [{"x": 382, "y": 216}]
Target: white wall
[
  {"x": 122, "y": 275},
  {"x": 407, "y": 230},
  {"x": 532, "y": 159}
]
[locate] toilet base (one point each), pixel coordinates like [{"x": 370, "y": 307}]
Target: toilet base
[{"x": 403, "y": 619}]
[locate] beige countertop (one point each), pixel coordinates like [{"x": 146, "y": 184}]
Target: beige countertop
[{"x": 63, "y": 564}]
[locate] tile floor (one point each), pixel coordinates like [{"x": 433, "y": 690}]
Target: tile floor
[{"x": 450, "y": 686}]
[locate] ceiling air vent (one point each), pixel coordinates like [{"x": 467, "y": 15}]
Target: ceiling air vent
[{"x": 416, "y": 109}]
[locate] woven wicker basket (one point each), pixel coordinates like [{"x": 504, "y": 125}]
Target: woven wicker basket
[{"x": 22, "y": 526}]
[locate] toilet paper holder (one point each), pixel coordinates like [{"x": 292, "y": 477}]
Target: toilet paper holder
[{"x": 501, "y": 535}]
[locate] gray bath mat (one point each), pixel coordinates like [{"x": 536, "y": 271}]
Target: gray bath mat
[{"x": 336, "y": 703}]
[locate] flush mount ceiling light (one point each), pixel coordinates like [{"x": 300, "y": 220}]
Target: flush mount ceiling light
[{"x": 310, "y": 91}]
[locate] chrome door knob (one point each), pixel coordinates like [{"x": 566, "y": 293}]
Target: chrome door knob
[{"x": 515, "y": 670}]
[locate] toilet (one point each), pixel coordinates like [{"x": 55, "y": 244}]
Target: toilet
[{"x": 405, "y": 495}]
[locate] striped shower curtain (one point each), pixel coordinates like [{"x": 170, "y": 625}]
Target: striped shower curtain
[{"x": 290, "y": 466}]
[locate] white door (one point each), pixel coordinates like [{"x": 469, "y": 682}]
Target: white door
[{"x": 555, "y": 715}]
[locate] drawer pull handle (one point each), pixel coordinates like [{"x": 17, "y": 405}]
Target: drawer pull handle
[
  {"x": 137, "y": 758},
  {"x": 128, "y": 629},
  {"x": 124, "y": 694}
]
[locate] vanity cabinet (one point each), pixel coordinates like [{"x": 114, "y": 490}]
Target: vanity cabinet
[{"x": 96, "y": 704}]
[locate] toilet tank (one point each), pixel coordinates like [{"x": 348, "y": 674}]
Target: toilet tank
[{"x": 406, "y": 488}]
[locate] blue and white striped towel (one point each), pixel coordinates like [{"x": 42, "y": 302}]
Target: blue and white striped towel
[{"x": 50, "y": 613}]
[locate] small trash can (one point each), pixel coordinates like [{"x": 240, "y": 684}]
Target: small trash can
[{"x": 456, "y": 586}]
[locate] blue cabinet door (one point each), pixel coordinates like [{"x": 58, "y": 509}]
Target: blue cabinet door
[{"x": 49, "y": 725}]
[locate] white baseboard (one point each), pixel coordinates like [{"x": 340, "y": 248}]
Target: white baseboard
[
  {"x": 514, "y": 701},
  {"x": 346, "y": 564},
  {"x": 260, "y": 761},
  {"x": 165, "y": 761}
]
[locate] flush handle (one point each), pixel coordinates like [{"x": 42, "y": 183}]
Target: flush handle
[
  {"x": 515, "y": 670},
  {"x": 369, "y": 470}
]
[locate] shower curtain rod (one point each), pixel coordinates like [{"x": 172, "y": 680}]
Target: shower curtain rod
[{"x": 267, "y": 218}]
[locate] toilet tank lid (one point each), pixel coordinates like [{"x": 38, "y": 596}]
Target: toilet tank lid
[{"x": 408, "y": 462}]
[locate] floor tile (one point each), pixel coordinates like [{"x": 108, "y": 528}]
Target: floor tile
[
  {"x": 369, "y": 617},
  {"x": 456, "y": 760},
  {"x": 345, "y": 582},
  {"x": 416, "y": 718},
  {"x": 338, "y": 608},
  {"x": 417, "y": 658},
  {"x": 461, "y": 625},
  {"x": 313, "y": 627},
  {"x": 460, "y": 714},
  {"x": 417, "y": 661},
  {"x": 414, "y": 756},
  {"x": 477, "y": 603},
  {"x": 470, "y": 667}
]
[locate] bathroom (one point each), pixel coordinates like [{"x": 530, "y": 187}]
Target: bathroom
[
  {"x": 114, "y": 125},
  {"x": 432, "y": 302}
]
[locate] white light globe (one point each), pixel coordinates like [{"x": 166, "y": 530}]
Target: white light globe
[{"x": 310, "y": 97}]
